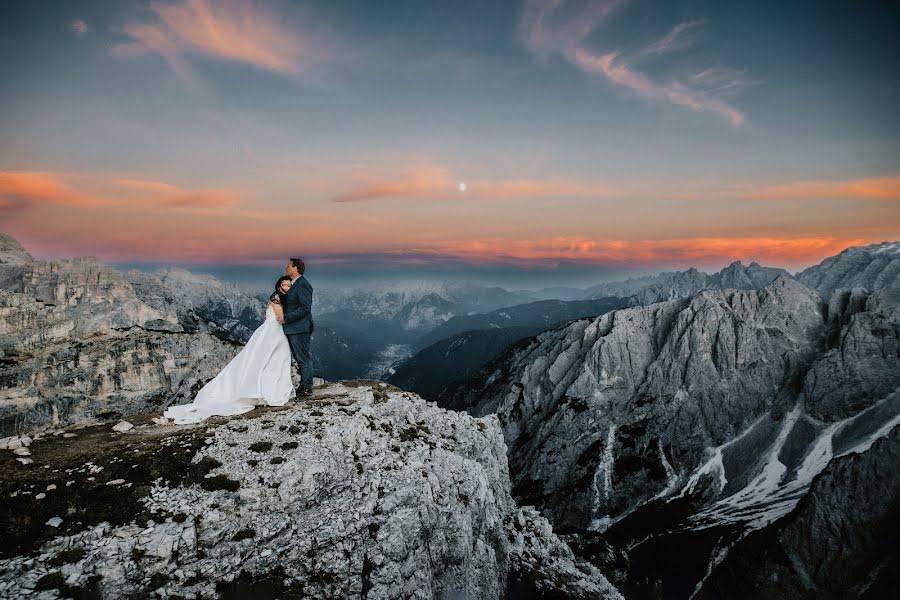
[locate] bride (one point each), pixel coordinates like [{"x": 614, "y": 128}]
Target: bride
[{"x": 259, "y": 374}]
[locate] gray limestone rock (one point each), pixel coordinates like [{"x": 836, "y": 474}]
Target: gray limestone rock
[
  {"x": 361, "y": 492},
  {"x": 201, "y": 302},
  {"x": 686, "y": 396},
  {"x": 684, "y": 284},
  {"x": 871, "y": 267},
  {"x": 50, "y": 375}
]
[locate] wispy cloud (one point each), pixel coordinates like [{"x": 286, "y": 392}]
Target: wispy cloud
[
  {"x": 545, "y": 32},
  {"x": 681, "y": 36},
  {"x": 79, "y": 26},
  {"x": 168, "y": 195},
  {"x": 881, "y": 188},
  {"x": 436, "y": 183},
  {"x": 22, "y": 189},
  {"x": 721, "y": 81},
  {"x": 229, "y": 30},
  {"x": 620, "y": 73}
]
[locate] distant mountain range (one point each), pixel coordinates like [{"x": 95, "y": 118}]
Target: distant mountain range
[
  {"x": 462, "y": 345},
  {"x": 451, "y": 357},
  {"x": 414, "y": 307},
  {"x": 543, "y": 314}
]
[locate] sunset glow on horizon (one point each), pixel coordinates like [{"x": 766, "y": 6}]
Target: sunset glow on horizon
[{"x": 616, "y": 133}]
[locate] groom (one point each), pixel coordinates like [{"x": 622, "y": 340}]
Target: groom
[{"x": 298, "y": 323}]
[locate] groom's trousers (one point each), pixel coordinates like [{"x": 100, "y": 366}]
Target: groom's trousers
[{"x": 302, "y": 351}]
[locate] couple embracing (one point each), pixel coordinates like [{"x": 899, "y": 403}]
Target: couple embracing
[{"x": 261, "y": 372}]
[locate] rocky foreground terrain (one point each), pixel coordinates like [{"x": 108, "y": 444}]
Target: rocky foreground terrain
[{"x": 363, "y": 492}]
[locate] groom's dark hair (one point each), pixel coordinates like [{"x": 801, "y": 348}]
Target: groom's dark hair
[{"x": 298, "y": 262}]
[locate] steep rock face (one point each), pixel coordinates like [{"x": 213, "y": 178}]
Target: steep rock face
[
  {"x": 698, "y": 397},
  {"x": 76, "y": 340},
  {"x": 201, "y": 302},
  {"x": 860, "y": 366},
  {"x": 94, "y": 295},
  {"x": 27, "y": 325},
  {"x": 870, "y": 267},
  {"x": 51, "y": 375},
  {"x": 840, "y": 541},
  {"x": 363, "y": 492}
]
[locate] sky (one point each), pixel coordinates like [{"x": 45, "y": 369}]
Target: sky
[{"x": 551, "y": 140}]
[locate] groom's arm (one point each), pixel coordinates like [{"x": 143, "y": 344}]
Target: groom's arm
[{"x": 297, "y": 313}]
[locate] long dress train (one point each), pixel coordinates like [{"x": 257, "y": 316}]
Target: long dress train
[{"x": 259, "y": 374}]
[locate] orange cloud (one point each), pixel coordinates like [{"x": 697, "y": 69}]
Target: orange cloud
[
  {"x": 689, "y": 251},
  {"x": 35, "y": 187},
  {"x": 435, "y": 183},
  {"x": 168, "y": 195},
  {"x": 881, "y": 188},
  {"x": 20, "y": 189},
  {"x": 229, "y": 30}
]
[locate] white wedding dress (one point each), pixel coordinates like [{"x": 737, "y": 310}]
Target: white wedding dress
[{"x": 259, "y": 374}]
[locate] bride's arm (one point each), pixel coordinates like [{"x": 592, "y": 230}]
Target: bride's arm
[{"x": 279, "y": 310}]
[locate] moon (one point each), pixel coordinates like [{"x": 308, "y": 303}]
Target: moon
[{"x": 462, "y": 186}]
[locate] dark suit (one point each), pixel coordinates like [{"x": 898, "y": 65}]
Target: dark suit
[{"x": 298, "y": 326}]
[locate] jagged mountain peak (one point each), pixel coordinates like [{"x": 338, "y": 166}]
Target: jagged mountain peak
[
  {"x": 880, "y": 248},
  {"x": 872, "y": 267},
  {"x": 12, "y": 252}
]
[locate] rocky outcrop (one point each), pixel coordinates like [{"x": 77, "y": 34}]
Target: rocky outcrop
[
  {"x": 78, "y": 339},
  {"x": 28, "y": 325},
  {"x": 94, "y": 295},
  {"x": 363, "y": 492},
  {"x": 871, "y": 267},
  {"x": 202, "y": 303},
  {"x": 50, "y": 376}
]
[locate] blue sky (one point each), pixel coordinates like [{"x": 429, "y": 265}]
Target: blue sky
[{"x": 617, "y": 135}]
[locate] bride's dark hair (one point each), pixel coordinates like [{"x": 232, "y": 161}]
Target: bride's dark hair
[{"x": 278, "y": 293}]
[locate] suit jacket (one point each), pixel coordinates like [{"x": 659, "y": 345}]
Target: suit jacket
[{"x": 298, "y": 308}]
